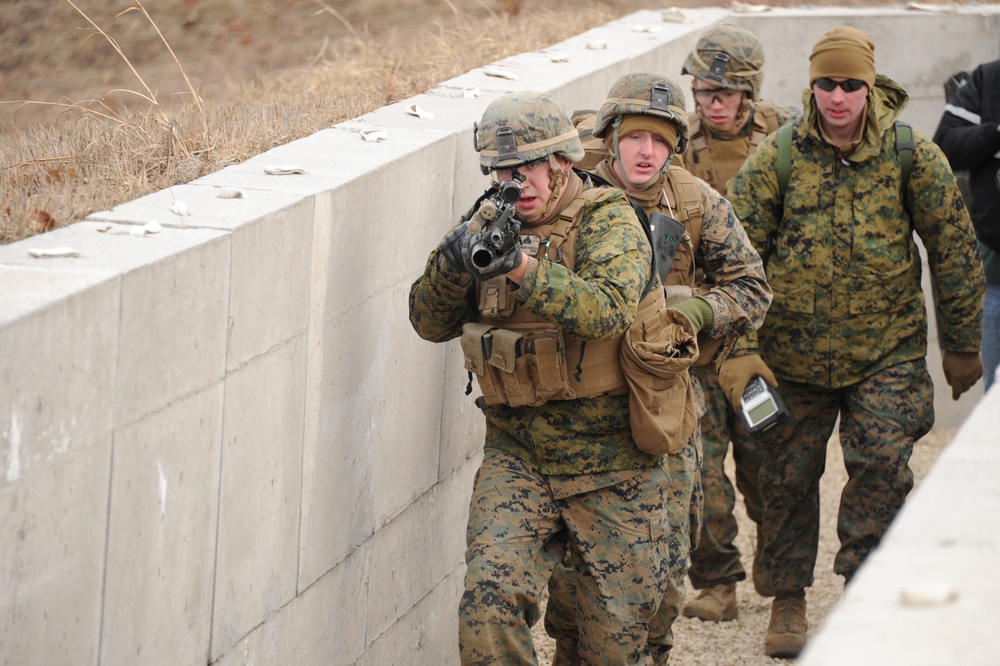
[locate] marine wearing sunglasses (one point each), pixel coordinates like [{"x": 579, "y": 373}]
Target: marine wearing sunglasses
[{"x": 847, "y": 85}]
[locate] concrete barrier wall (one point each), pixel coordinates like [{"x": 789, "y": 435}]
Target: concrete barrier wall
[{"x": 222, "y": 442}]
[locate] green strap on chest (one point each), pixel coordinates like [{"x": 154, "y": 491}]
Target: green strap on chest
[
  {"x": 784, "y": 165},
  {"x": 904, "y": 150},
  {"x": 905, "y": 145}
]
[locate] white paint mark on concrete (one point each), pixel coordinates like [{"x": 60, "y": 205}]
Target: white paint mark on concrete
[
  {"x": 163, "y": 490},
  {"x": 14, "y": 459}
]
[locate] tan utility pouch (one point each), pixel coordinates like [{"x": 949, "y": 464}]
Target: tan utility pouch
[
  {"x": 656, "y": 354},
  {"x": 495, "y": 299},
  {"x": 517, "y": 368}
]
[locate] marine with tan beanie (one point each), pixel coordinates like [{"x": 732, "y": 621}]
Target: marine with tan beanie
[{"x": 846, "y": 334}]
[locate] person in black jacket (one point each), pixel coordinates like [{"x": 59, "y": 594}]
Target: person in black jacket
[{"x": 969, "y": 135}]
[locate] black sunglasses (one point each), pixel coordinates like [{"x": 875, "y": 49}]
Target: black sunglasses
[{"x": 847, "y": 85}]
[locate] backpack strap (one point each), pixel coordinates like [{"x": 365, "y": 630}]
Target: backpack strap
[
  {"x": 769, "y": 115},
  {"x": 783, "y": 170},
  {"x": 784, "y": 166},
  {"x": 904, "y": 150},
  {"x": 905, "y": 145},
  {"x": 687, "y": 203},
  {"x": 566, "y": 222},
  {"x": 594, "y": 149}
]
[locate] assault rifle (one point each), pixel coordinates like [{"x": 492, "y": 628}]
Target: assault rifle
[{"x": 493, "y": 227}]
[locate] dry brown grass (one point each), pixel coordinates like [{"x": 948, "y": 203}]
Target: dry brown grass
[{"x": 99, "y": 154}]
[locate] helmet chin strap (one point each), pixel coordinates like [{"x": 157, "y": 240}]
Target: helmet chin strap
[
  {"x": 556, "y": 179},
  {"x": 616, "y": 156}
]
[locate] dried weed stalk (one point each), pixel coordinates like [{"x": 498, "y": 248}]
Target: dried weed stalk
[{"x": 97, "y": 157}]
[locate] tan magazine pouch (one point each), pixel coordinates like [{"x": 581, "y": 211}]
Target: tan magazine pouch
[{"x": 524, "y": 368}]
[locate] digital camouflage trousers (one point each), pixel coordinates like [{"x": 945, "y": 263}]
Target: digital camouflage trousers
[
  {"x": 563, "y": 617},
  {"x": 716, "y": 560},
  {"x": 880, "y": 419},
  {"x": 521, "y": 527}
]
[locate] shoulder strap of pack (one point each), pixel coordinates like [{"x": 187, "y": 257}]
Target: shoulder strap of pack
[
  {"x": 905, "y": 146},
  {"x": 784, "y": 166},
  {"x": 904, "y": 149},
  {"x": 594, "y": 150},
  {"x": 567, "y": 218},
  {"x": 698, "y": 140},
  {"x": 783, "y": 170}
]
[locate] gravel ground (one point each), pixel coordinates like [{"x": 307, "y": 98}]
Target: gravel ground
[{"x": 741, "y": 642}]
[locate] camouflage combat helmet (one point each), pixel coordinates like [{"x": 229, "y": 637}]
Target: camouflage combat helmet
[
  {"x": 648, "y": 94},
  {"x": 730, "y": 57},
  {"x": 523, "y": 127}
]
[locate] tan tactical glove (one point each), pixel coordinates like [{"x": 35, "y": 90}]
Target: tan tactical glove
[
  {"x": 736, "y": 371},
  {"x": 962, "y": 370}
]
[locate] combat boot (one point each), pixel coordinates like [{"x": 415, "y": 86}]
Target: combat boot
[
  {"x": 716, "y": 603},
  {"x": 786, "y": 632}
]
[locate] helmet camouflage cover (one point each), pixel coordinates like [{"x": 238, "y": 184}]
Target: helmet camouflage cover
[
  {"x": 648, "y": 94},
  {"x": 523, "y": 127},
  {"x": 730, "y": 57}
]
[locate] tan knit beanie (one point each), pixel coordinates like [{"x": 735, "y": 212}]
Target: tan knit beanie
[
  {"x": 843, "y": 52},
  {"x": 635, "y": 121}
]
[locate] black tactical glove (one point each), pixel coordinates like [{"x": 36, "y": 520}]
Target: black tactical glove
[{"x": 454, "y": 248}]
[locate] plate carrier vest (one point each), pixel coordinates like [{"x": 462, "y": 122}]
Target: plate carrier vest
[
  {"x": 716, "y": 161},
  {"x": 520, "y": 359}
]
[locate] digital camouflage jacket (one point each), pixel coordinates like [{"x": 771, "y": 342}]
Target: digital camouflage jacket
[
  {"x": 844, "y": 268},
  {"x": 598, "y": 301},
  {"x": 730, "y": 275}
]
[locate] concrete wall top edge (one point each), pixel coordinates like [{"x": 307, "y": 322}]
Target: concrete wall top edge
[
  {"x": 31, "y": 289},
  {"x": 105, "y": 247},
  {"x": 203, "y": 205}
]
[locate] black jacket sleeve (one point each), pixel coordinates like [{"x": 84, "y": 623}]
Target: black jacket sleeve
[{"x": 970, "y": 137}]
